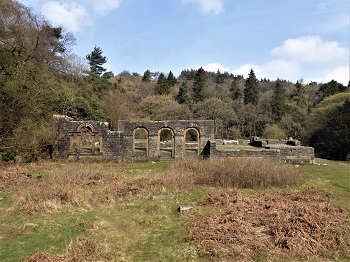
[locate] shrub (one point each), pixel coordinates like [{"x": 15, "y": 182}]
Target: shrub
[
  {"x": 274, "y": 131},
  {"x": 8, "y": 155}
]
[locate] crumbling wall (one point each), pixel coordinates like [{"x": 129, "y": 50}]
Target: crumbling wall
[{"x": 78, "y": 139}]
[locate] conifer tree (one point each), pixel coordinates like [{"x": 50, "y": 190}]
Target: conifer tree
[
  {"x": 147, "y": 76},
  {"x": 278, "y": 102},
  {"x": 171, "y": 79},
  {"x": 183, "y": 97},
  {"x": 199, "y": 85},
  {"x": 162, "y": 86},
  {"x": 96, "y": 60},
  {"x": 235, "y": 92},
  {"x": 251, "y": 90}
]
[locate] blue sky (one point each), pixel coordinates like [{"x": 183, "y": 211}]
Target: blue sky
[{"x": 288, "y": 39}]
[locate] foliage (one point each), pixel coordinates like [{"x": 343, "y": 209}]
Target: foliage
[
  {"x": 96, "y": 60},
  {"x": 331, "y": 88},
  {"x": 251, "y": 91},
  {"x": 39, "y": 77},
  {"x": 8, "y": 155},
  {"x": 278, "y": 103},
  {"x": 274, "y": 131},
  {"x": 332, "y": 139},
  {"x": 116, "y": 106},
  {"x": 162, "y": 107},
  {"x": 146, "y": 76},
  {"x": 162, "y": 86},
  {"x": 183, "y": 95},
  {"x": 199, "y": 85}
]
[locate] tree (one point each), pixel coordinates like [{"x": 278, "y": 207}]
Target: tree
[
  {"x": 332, "y": 139},
  {"x": 199, "y": 85},
  {"x": 215, "y": 109},
  {"x": 25, "y": 36},
  {"x": 183, "y": 95},
  {"x": 171, "y": 79},
  {"x": 116, "y": 105},
  {"x": 331, "y": 88},
  {"x": 96, "y": 60},
  {"x": 251, "y": 90},
  {"x": 162, "y": 107},
  {"x": 147, "y": 77},
  {"x": 235, "y": 91},
  {"x": 278, "y": 102},
  {"x": 220, "y": 78},
  {"x": 162, "y": 86}
]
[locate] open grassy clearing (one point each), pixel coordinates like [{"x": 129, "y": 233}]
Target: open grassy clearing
[{"x": 110, "y": 212}]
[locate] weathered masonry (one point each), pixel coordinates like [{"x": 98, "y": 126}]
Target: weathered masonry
[
  {"x": 134, "y": 140},
  {"x": 162, "y": 140}
]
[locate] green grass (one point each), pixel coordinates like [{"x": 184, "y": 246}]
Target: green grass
[
  {"x": 132, "y": 227},
  {"x": 25, "y": 235},
  {"x": 332, "y": 177}
]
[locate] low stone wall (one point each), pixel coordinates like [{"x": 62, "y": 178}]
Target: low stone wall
[{"x": 283, "y": 153}]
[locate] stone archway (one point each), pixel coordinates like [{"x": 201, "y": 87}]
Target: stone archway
[
  {"x": 166, "y": 143},
  {"x": 140, "y": 142},
  {"x": 191, "y": 142},
  {"x": 85, "y": 141}
]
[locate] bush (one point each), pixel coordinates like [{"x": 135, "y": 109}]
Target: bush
[
  {"x": 8, "y": 155},
  {"x": 274, "y": 132}
]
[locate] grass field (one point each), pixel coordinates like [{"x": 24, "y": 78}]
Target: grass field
[{"x": 61, "y": 210}]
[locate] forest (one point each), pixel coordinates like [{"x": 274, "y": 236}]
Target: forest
[{"x": 40, "y": 77}]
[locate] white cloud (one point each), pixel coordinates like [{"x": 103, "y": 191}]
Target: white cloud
[
  {"x": 71, "y": 15},
  {"x": 310, "y": 58},
  {"x": 214, "y": 67},
  {"x": 311, "y": 49},
  {"x": 340, "y": 74},
  {"x": 208, "y": 6},
  {"x": 103, "y": 7}
]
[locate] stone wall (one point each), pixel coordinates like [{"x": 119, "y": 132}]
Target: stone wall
[
  {"x": 92, "y": 138},
  {"x": 161, "y": 140}
]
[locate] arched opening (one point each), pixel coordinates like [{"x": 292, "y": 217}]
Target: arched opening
[
  {"x": 166, "y": 143},
  {"x": 85, "y": 141},
  {"x": 140, "y": 142},
  {"x": 191, "y": 142}
]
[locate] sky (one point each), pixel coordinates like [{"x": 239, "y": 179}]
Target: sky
[{"x": 286, "y": 39}]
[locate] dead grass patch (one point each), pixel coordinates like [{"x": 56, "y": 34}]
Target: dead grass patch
[
  {"x": 131, "y": 187},
  {"x": 300, "y": 224},
  {"x": 65, "y": 188},
  {"x": 12, "y": 175},
  {"x": 80, "y": 250},
  {"x": 232, "y": 173}
]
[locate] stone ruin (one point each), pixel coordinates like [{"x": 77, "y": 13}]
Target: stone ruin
[{"x": 163, "y": 140}]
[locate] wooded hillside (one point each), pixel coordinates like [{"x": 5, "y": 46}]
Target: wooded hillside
[{"x": 39, "y": 77}]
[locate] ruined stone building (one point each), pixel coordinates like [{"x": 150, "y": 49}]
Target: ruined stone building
[{"x": 162, "y": 140}]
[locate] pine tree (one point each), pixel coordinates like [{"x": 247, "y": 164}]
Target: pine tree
[
  {"x": 220, "y": 78},
  {"x": 162, "y": 86},
  {"x": 183, "y": 97},
  {"x": 278, "y": 102},
  {"x": 146, "y": 76},
  {"x": 251, "y": 90},
  {"x": 235, "y": 91},
  {"x": 171, "y": 79},
  {"x": 96, "y": 60},
  {"x": 199, "y": 85},
  {"x": 300, "y": 97}
]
